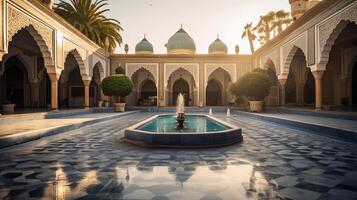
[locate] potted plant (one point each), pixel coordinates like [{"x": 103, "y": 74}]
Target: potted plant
[
  {"x": 117, "y": 85},
  {"x": 255, "y": 86},
  {"x": 8, "y": 107}
]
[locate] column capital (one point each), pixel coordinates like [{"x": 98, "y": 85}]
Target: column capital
[
  {"x": 54, "y": 77},
  {"x": 282, "y": 81},
  {"x": 86, "y": 82},
  {"x": 318, "y": 74},
  {"x": 318, "y": 67}
]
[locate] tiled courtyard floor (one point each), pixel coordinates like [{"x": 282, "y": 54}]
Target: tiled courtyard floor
[{"x": 273, "y": 162}]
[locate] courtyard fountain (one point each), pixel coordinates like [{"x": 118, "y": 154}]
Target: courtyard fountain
[
  {"x": 180, "y": 111},
  {"x": 183, "y": 130}
]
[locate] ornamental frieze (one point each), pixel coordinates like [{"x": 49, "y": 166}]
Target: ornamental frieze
[
  {"x": 18, "y": 20},
  {"x": 326, "y": 29}
]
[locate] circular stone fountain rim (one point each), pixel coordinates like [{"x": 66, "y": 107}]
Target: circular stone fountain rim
[{"x": 135, "y": 127}]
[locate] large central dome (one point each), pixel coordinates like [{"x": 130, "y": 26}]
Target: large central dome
[{"x": 181, "y": 43}]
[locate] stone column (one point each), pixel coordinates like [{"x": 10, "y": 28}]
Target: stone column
[
  {"x": 318, "y": 88},
  {"x": 86, "y": 84},
  {"x": 54, "y": 91},
  {"x": 35, "y": 93},
  {"x": 282, "y": 88}
]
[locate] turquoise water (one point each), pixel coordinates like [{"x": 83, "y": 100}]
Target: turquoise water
[{"x": 193, "y": 124}]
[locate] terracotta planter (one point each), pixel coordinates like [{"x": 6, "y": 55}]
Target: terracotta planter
[
  {"x": 119, "y": 107},
  {"x": 256, "y": 106},
  {"x": 8, "y": 108}
]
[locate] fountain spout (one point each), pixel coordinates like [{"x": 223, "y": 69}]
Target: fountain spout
[{"x": 180, "y": 111}]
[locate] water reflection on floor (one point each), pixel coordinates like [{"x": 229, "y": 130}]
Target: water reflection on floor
[
  {"x": 237, "y": 180},
  {"x": 89, "y": 163}
]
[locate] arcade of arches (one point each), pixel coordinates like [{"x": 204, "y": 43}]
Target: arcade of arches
[{"x": 25, "y": 82}]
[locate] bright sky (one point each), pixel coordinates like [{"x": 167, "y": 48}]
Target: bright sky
[{"x": 202, "y": 19}]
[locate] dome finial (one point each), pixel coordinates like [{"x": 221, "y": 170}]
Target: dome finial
[
  {"x": 181, "y": 25},
  {"x": 217, "y": 36},
  {"x": 144, "y": 36}
]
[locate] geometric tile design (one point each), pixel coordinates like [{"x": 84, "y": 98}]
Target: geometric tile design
[{"x": 272, "y": 162}]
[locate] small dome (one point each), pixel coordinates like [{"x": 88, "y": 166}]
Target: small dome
[
  {"x": 181, "y": 43},
  {"x": 144, "y": 47},
  {"x": 217, "y": 47}
]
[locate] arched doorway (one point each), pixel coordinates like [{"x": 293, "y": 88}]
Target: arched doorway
[
  {"x": 273, "y": 98},
  {"x": 70, "y": 86},
  {"x": 217, "y": 88},
  {"x": 24, "y": 80},
  {"x": 16, "y": 82},
  {"x": 354, "y": 87},
  {"x": 213, "y": 93},
  {"x": 148, "y": 94},
  {"x": 337, "y": 80},
  {"x": 309, "y": 89},
  {"x": 181, "y": 81},
  {"x": 144, "y": 90},
  {"x": 181, "y": 86},
  {"x": 294, "y": 88}
]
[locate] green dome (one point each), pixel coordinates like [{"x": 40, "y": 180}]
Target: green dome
[
  {"x": 144, "y": 46},
  {"x": 217, "y": 47},
  {"x": 181, "y": 43}
]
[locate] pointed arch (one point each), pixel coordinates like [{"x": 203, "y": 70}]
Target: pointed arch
[
  {"x": 80, "y": 63},
  {"x": 41, "y": 43},
  {"x": 290, "y": 58},
  {"x": 327, "y": 47},
  {"x": 183, "y": 70},
  {"x": 100, "y": 68}
]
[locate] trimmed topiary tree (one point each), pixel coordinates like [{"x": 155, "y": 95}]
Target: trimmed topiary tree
[
  {"x": 117, "y": 85},
  {"x": 119, "y": 70},
  {"x": 254, "y": 85}
]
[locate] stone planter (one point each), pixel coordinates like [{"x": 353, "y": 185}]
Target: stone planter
[
  {"x": 106, "y": 104},
  {"x": 119, "y": 107},
  {"x": 100, "y": 104},
  {"x": 8, "y": 108},
  {"x": 256, "y": 106}
]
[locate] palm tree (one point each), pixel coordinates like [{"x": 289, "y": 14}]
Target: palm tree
[
  {"x": 264, "y": 26},
  {"x": 88, "y": 17},
  {"x": 281, "y": 18},
  {"x": 248, "y": 33}
]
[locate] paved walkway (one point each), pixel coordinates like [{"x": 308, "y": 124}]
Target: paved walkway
[
  {"x": 272, "y": 162},
  {"x": 16, "y": 127},
  {"x": 344, "y": 124}
]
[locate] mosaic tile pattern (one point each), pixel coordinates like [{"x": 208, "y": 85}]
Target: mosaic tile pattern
[{"x": 273, "y": 162}]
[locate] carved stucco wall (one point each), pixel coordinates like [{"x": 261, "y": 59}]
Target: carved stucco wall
[
  {"x": 271, "y": 56},
  {"x": 169, "y": 68},
  {"x": 288, "y": 50},
  {"x": 131, "y": 68},
  {"x": 17, "y": 20},
  {"x": 329, "y": 30},
  {"x": 231, "y": 69}
]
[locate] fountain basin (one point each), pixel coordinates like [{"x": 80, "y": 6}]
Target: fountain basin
[{"x": 198, "y": 131}]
